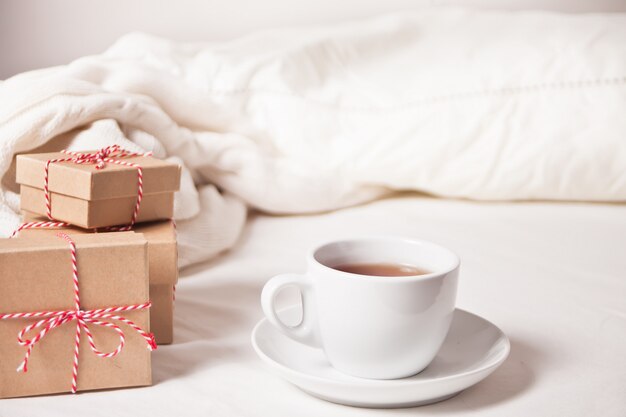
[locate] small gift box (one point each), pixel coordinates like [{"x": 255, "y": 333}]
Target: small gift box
[
  {"x": 96, "y": 189},
  {"x": 162, "y": 261},
  {"x": 74, "y": 313}
]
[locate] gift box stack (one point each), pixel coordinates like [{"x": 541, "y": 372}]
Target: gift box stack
[{"x": 87, "y": 283}]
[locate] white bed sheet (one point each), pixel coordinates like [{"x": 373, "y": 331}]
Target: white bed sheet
[{"x": 552, "y": 276}]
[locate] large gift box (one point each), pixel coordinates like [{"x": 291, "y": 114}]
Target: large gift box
[
  {"x": 74, "y": 320},
  {"x": 163, "y": 268},
  {"x": 96, "y": 189}
]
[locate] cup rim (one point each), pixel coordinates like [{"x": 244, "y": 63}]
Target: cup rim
[{"x": 402, "y": 239}]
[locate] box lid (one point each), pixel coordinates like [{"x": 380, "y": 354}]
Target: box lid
[
  {"x": 160, "y": 235},
  {"x": 86, "y": 182},
  {"x": 35, "y": 273}
]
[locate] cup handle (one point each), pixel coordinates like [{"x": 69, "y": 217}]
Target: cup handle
[{"x": 306, "y": 332}]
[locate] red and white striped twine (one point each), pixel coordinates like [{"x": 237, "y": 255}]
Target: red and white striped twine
[
  {"x": 39, "y": 225},
  {"x": 104, "y": 317},
  {"x": 100, "y": 159}
]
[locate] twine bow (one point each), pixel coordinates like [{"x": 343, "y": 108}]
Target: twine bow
[
  {"x": 104, "y": 317},
  {"x": 102, "y": 156},
  {"x": 110, "y": 154}
]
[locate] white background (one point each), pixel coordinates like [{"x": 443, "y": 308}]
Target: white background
[{"x": 40, "y": 33}]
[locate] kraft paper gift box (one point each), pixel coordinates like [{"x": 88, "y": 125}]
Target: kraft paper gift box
[
  {"x": 163, "y": 268},
  {"x": 91, "y": 196},
  {"x": 36, "y": 276}
]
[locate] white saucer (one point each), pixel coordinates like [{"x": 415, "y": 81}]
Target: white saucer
[{"x": 473, "y": 349}]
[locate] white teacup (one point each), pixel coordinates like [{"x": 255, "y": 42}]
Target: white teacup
[{"x": 376, "y": 327}]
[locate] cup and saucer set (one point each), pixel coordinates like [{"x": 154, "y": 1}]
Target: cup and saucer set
[{"x": 379, "y": 327}]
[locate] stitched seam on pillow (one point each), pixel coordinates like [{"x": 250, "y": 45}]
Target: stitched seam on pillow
[{"x": 504, "y": 91}]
